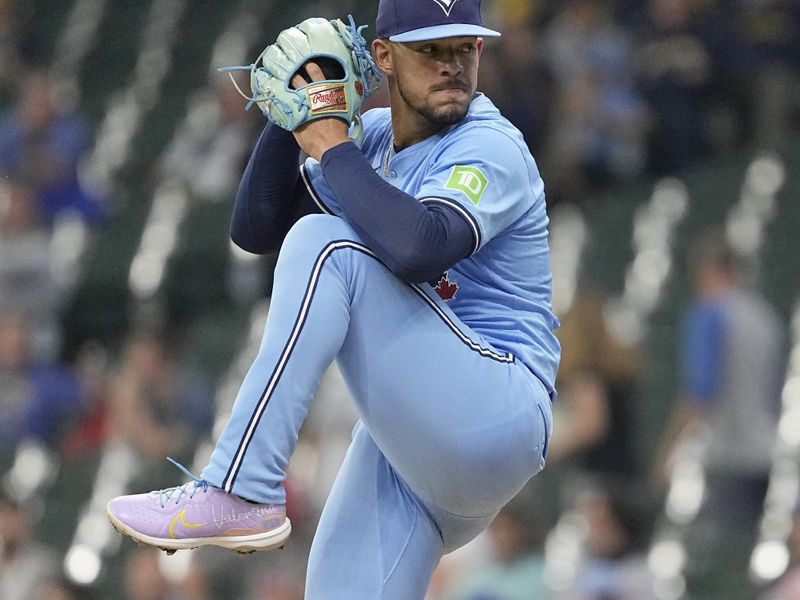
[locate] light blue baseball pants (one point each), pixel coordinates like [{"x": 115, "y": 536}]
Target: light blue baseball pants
[{"x": 450, "y": 429}]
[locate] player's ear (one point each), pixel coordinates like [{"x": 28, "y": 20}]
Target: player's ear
[{"x": 382, "y": 54}]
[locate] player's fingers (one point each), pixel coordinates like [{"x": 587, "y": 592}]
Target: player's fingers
[
  {"x": 314, "y": 71},
  {"x": 298, "y": 81}
]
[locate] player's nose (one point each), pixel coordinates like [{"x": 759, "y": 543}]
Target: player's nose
[{"x": 451, "y": 64}]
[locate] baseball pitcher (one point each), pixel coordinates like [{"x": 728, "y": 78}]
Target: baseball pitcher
[{"x": 413, "y": 250}]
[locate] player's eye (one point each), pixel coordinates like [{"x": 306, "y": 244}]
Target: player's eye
[{"x": 467, "y": 49}]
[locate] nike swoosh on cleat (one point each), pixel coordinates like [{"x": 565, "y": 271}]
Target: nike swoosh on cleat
[{"x": 182, "y": 517}]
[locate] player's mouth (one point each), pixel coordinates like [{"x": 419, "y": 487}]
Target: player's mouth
[
  {"x": 451, "y": 86},
  {"x": 451, "y": 95}
]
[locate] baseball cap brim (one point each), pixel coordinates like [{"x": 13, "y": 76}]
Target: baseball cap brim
[{"x": 437, "y": 32}]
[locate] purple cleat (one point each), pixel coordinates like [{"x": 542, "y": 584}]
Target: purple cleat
[{"x": 197, "y": 514}]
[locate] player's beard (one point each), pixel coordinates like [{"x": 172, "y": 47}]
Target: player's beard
[{"x": 443, "y": 116}]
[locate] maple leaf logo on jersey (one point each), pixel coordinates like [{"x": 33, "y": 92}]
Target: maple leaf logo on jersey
[
  {"x": 447, "y": 5},
  {"x": 446, "y": 289}
]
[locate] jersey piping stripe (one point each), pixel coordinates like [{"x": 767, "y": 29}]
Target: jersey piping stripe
[
  {"x": 302, "y": 315},
  {"x": 487, "y": 352},
  {"x": 476, "y": 232},
  {"x": 314, "y": 196},
  {"x": 291, "y": 343}
]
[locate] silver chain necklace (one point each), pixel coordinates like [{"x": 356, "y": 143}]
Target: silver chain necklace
[{"x": 387, "y": 156}]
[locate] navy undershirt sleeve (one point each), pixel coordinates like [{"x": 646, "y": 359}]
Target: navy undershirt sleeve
[
  {"x": 416, "y": 241},
  {"x": 271, "y": 195}
]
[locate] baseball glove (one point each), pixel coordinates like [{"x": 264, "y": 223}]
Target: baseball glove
[{"x": 339, "y": 49}]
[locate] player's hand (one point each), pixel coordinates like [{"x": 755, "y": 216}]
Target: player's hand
[{"x": 315, "y": 137}]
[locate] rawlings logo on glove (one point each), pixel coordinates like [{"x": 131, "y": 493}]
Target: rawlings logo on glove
[
  {"x": 324, "y": 98},
  {"x": 350, "y": 81}
]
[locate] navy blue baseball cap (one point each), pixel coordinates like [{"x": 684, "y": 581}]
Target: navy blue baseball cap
[{"x": 421, "y": 20}]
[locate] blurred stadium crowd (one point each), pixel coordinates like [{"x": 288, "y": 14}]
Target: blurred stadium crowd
[{"x": 667, "y": 135}]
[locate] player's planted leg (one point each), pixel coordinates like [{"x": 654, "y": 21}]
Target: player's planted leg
[{"x": 239, "y": 501}]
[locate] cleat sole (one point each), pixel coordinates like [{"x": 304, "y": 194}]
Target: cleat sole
[{"x": 245, "y": 544}]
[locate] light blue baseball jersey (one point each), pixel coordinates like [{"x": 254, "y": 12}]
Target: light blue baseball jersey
[{"x": 482, "y": 168}]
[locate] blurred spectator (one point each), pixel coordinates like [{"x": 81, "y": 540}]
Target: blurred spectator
[
  {"x": 281, "y": 586},
  {"x": 41, "y": 145},
  {"x": 675, "y": 69},
  {"x": 765, "y": 60},
  {"x": 8, "y": 51},
  {"x": 212, "y": 161},
  {"x": 24, "y": 563},
  {"x": 37, "y": 400},
  {"x": 60, "y": 588},
  {"x": 733, "y": 361},
  {"x": 145, "y": 580},
  {"x": 614, "y": 563},
  {"x": 516, "y": 569},
  {"x": 157, "y": 404},
  {"x": 518, "y": 82},
  {"x": 88, "y": 436},
  {"x": 593, "y": 419},
  {"x": 598, "y": 124},
  {"x": 26, "y": 281}
]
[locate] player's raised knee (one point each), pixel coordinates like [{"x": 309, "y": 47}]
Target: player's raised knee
[
  {"x": 318, "y": 230},
  {"x": 310, "y": 236}
]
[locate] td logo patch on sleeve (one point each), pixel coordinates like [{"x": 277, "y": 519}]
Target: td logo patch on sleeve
[{"x": 469, "y": 180}]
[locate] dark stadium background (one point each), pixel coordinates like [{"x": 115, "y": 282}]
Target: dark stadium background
[{"x": 650, "y": 121}]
